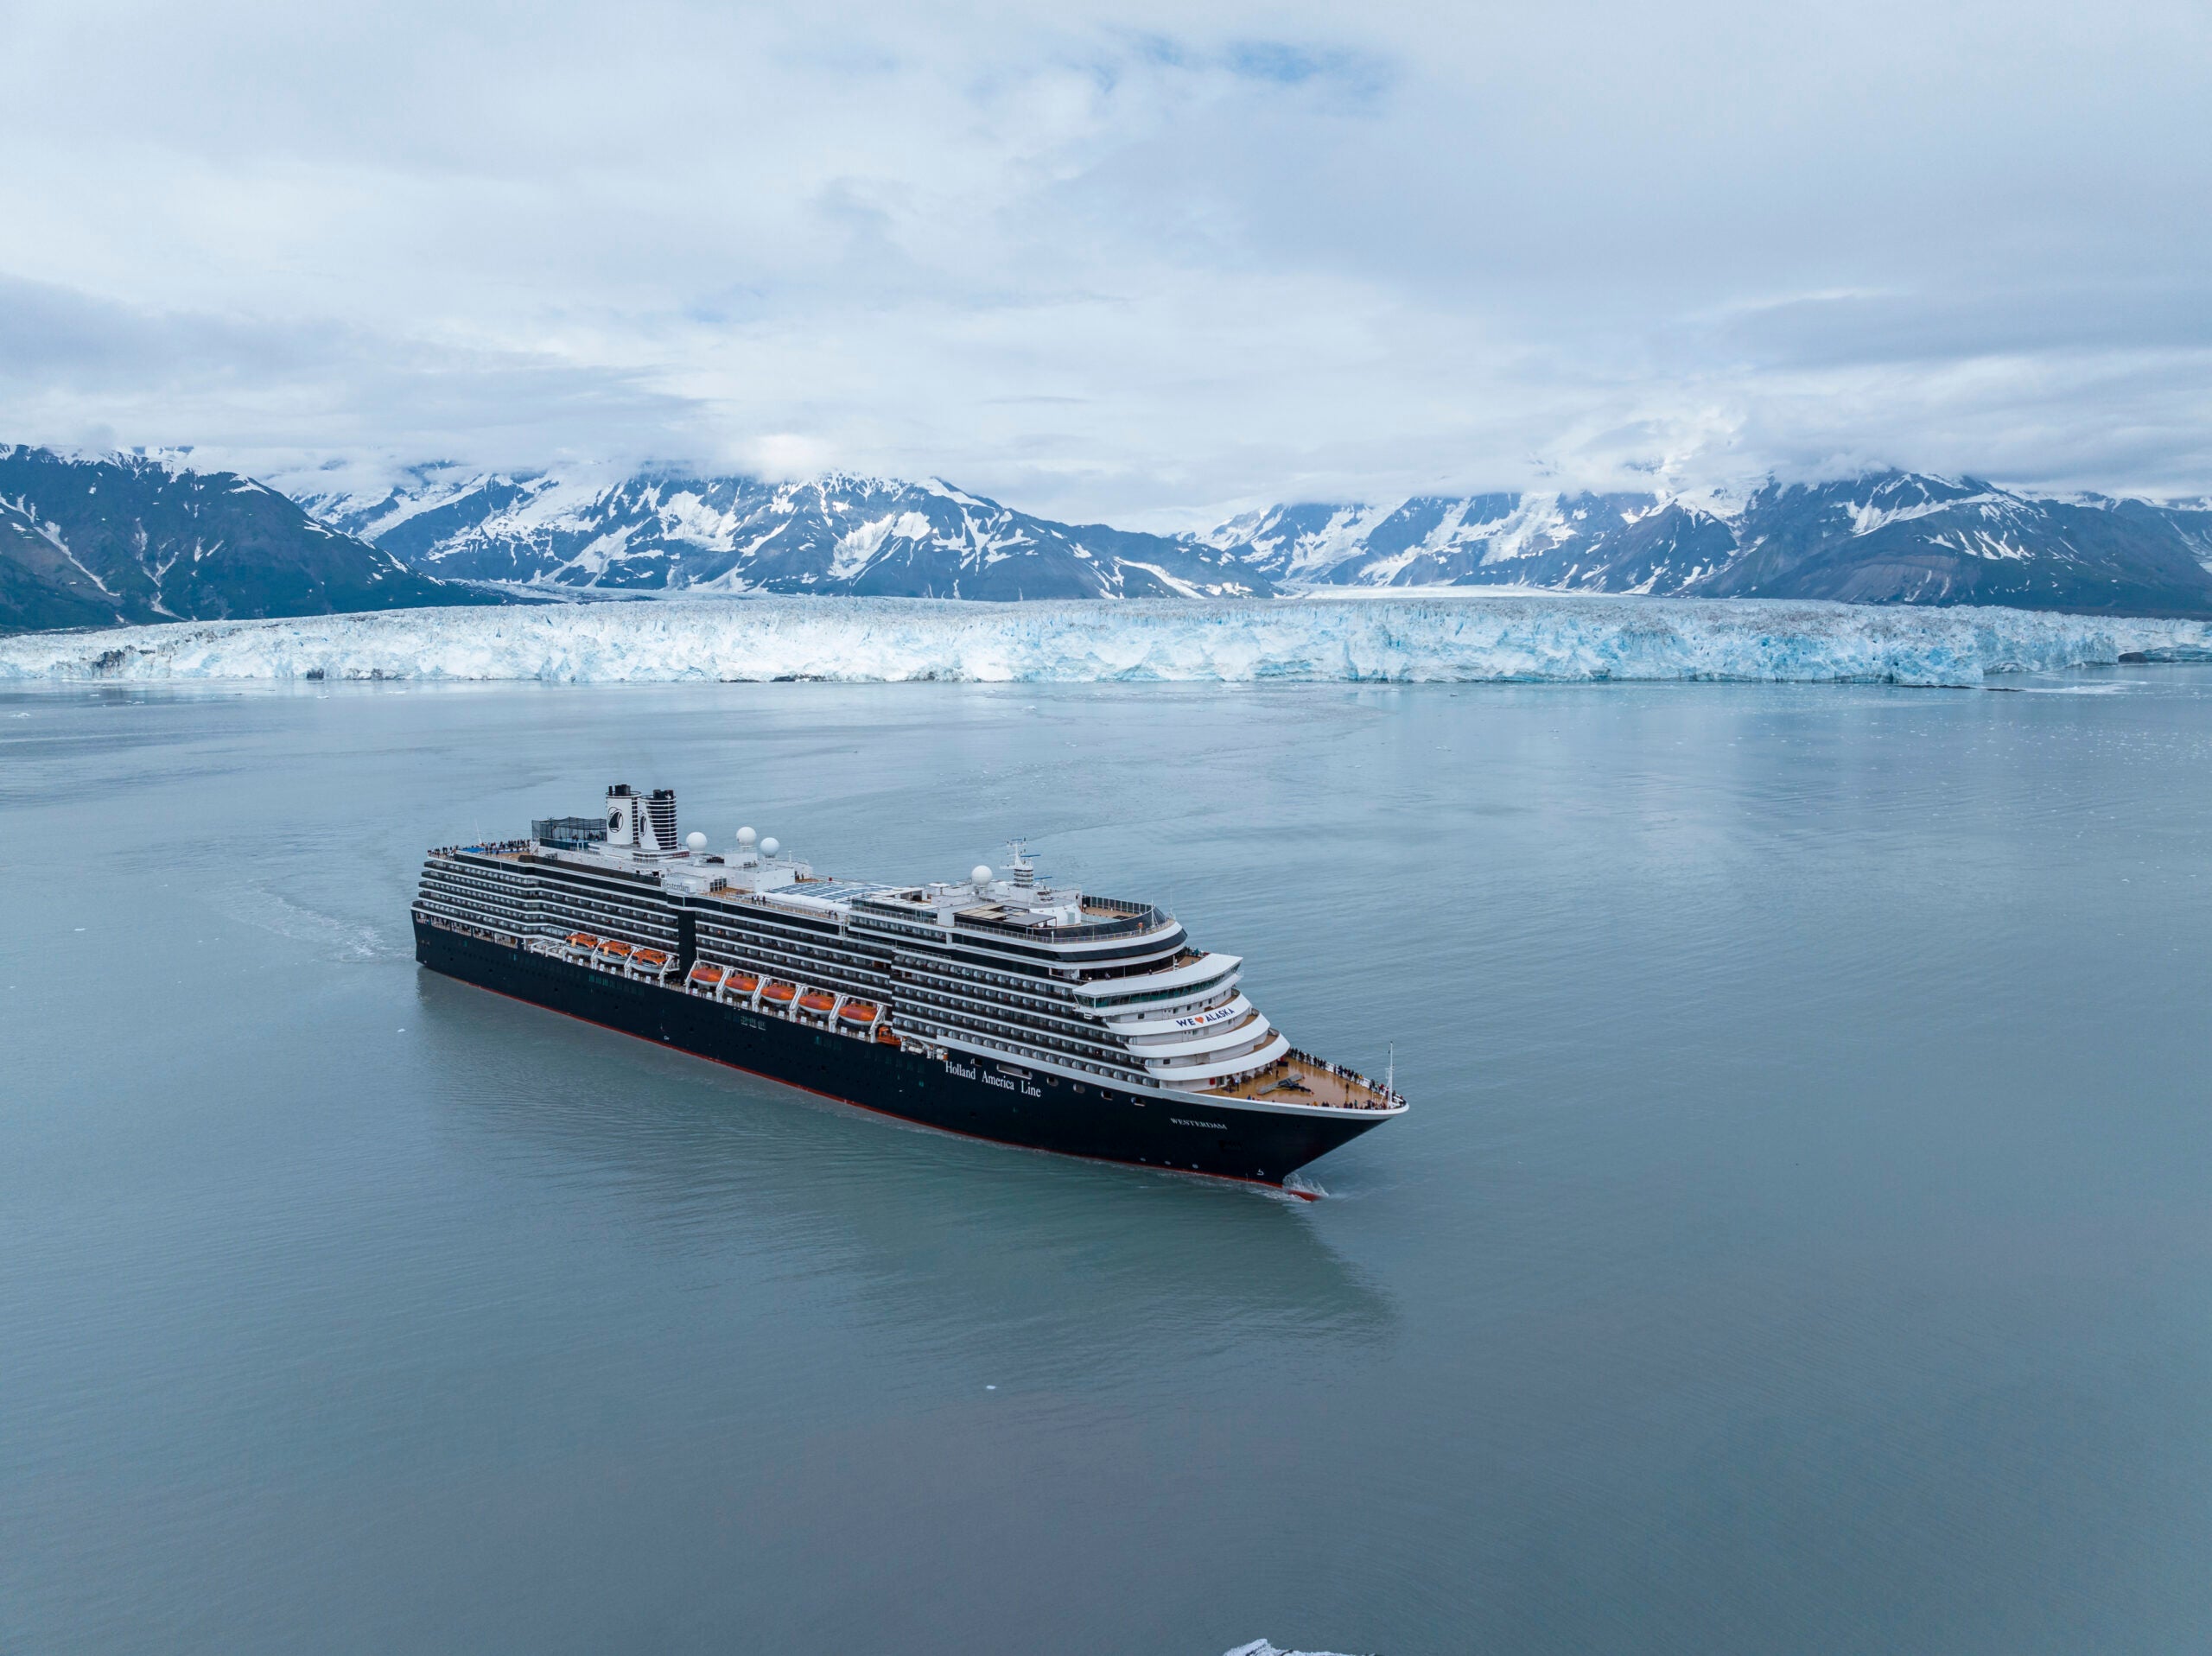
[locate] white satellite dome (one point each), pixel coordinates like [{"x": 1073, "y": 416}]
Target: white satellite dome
[
  {"x": 980, "y": 873},
  {"x": 696, "y": 840},
  {"x": 746, "y": 836},
  {"x": 769, "y": 847}
]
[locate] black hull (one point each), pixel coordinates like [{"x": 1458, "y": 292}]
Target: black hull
[{"x": 958, "y": 1093}]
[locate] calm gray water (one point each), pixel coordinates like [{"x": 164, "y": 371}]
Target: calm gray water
[{"x": 1800, "y": 1242}]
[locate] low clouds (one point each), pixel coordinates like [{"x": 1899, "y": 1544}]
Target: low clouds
[{"x": 1138, "y": 263}]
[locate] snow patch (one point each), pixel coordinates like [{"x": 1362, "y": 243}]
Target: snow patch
[
  {"x": 856, "y": 550},
  {"x": 1174, "y": 584},
  {"x": 1866, "y": 517}
]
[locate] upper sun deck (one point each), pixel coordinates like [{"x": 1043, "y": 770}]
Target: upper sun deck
[
  {"x": 997, "y": 909},
  {"x": 1038, "y": 914}
]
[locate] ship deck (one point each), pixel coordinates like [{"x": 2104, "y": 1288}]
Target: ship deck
[{"x": 1299, "y": 1079}]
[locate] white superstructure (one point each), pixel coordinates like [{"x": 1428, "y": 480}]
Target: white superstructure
[{"x": 1010, "y": 969}]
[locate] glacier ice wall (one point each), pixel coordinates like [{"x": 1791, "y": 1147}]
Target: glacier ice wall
[{"x": 1492, "y": 637}]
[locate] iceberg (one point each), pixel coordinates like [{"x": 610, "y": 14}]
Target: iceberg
[{"x": 1489, "y": 637}]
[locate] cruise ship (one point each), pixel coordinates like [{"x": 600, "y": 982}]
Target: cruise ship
[{"x": 1001, "y": 1006}]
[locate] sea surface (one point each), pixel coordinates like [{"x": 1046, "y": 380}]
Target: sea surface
[{"x": 1801, "y": 1241}]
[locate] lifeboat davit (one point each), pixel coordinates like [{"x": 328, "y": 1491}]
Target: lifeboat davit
[
  {"x": 858, "y": 1011},
  {"x": 815, "y": 1001},
  {"x": 779, "y": 993}
]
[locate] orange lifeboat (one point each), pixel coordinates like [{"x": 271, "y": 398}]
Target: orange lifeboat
[
  {"x": 858, "y": 1011},
  {"x": 741, "y": 983},
  {"x": 582, "y": 939},
  {"x": 616, "y": 949},
  {"x": 779, "y": 993},
  {"x": 709, "y": 975},
  {"x": 650, "y": 957},
  {"x": 888, "y": 1036},
  {"x": 815, "y": 1001}
]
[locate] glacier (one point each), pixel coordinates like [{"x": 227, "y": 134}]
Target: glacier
[{"x": 1462, "y": 638}]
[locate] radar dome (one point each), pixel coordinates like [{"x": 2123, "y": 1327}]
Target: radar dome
[
  {"x": 980, "y": 873},
  {"x": 746, "y": 836},
  {"x": 696, "y": 840},
  {"x": 769, "y": 847}
]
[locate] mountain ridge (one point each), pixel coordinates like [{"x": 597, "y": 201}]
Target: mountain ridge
[
  {"x": 1881, "y": 537},
  {"x": 128, "y": 539},
  {"x": 839, "y": 533},
  {"x": 119, "y": 539}
]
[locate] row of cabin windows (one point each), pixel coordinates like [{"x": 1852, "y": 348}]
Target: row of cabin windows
[
  {"x": 477, "y": 912},
  {"x": 913, "y": 968},
  {"x": 597, "y": 911},
  {"x": 474, "y": 919},
  {"x": 1060, "y": 1026},
  {"x": 740, "y": 945},
  {"x": 1157, "y": 994},
  {"x": 919, "y": 1015},
  {"x": 791, "y": 962},
  {"x": 435, "y": 875},
  {"x": 961, "y": 1021},
  {"x": 946, "y": 1002},
  {"x": 1221, "y": 990},
  {"x": 481, "y": 872},
  {"x": 752, "y": 938},
  {"x": 1089, "y": 1069},
  {"x": 455, "y": 880},
  {"x": 488, "y": 897},
  {"x": 1006, "y": 981}
]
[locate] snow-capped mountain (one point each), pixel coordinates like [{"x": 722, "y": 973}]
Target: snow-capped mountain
[
  {"x": 1890, "y": 537},
  {"x": 122, "y": 538},
  {"x": 1898, "y": 538},
  {"x": 1598, "y": 542},
  {"x": 853, "y": 536},
  {"x": 130, "y": 538}
]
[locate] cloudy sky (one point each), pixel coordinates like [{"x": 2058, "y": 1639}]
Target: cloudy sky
[{"x": 1143, "y": 263}]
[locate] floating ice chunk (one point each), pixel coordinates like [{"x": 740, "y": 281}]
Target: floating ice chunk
[{"x": 1479, "y": 639}]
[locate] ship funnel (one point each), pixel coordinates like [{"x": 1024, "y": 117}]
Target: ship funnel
[
  {"x": 622, "y": 817},
  {"x": 643, "y": 822}
]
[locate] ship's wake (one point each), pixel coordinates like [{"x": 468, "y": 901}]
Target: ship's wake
[{"x": 335, "y": 939}]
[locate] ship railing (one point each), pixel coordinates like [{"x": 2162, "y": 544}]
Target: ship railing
[
  {"x": 1389, "y": 1098},
  {"x": 482, "y": 847},
  {"x": 799, "y": 910},
  {"x": 1137, "y": 919}
]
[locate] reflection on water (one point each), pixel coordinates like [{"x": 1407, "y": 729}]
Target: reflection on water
[{"x": 932, "y": 1227}]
